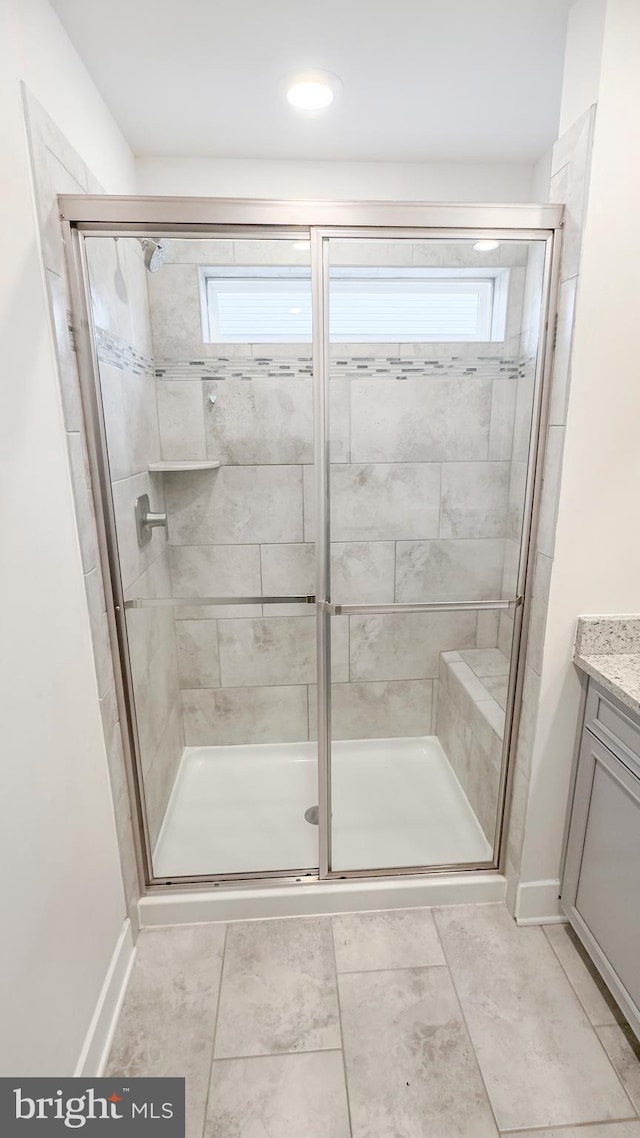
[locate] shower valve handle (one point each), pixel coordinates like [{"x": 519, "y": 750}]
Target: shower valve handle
[{"x": 147, "y": 520}]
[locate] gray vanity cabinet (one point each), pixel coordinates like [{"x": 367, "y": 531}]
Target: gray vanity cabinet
[{"x": 601, "y": 884}]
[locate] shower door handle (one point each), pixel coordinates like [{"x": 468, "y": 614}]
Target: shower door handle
[{"x": 419, "y": 606}]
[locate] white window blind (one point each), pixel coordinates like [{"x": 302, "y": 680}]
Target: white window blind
[{"x": 362, "y": 308}]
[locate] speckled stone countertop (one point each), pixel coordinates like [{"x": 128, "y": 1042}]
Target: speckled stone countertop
[{"x": 608, "y": 648}]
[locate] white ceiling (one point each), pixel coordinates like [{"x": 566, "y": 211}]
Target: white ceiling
[{"x": 424, "y": 80}]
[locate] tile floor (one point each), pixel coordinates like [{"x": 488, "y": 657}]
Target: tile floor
[{"x": 414, "y": 1023}]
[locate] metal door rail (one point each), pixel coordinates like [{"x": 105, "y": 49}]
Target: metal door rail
[
  {"x": 426, "y": 606},
  {"x": 154, "y": 602}
]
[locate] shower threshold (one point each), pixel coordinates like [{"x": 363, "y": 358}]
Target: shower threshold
[{"x": 241, "y": 809}]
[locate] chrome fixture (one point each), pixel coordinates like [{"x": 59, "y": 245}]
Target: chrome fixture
[
  {"x": 146, "y": 520},
  {"x": 155, "y": 252}
]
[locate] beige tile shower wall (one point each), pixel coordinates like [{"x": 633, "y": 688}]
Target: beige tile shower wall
[
  {"x": 121, "y": 313},
  {"x": 421, "y": 447}
]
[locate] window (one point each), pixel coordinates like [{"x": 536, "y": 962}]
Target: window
[{"x": 273, "y": 305}]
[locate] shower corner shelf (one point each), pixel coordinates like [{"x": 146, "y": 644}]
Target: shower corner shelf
[{"x": 182, "y": 465}]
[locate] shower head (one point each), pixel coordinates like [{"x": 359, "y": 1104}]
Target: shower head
[{"x": 155, "y": 252}]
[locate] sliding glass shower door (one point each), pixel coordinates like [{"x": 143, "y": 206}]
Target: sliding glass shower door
[
  {"x": 314, "y": 450},
  {"x": 431, "y": 360}
]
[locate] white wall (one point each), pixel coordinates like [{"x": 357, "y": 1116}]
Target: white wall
[
  {"x": 581, "y": 76},
  {"x": 62, "y": 896},
  {"x": 398, "y": 181},
  {"x": 597, "y": 555}
]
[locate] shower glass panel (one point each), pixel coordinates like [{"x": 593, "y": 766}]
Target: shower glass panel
[
  {"x": 205, "y": 382},
  {"x": 433, "y": 349}
]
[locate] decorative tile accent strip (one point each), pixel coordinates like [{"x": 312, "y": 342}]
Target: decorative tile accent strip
[
  {"x": 391, "y": 367},
  {"x": 115, "y": 352}
]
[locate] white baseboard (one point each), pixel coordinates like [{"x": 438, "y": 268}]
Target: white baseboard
[
  {"x": 538, "y": 903},
  {"x": 316, "y": 899},
  {"x": 103, "y": 1021}
]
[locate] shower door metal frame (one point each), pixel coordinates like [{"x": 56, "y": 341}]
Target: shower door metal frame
[{"x": 213, "y": 218}]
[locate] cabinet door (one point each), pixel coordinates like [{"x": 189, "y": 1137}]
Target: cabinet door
[{"x": 602, "y": 881}]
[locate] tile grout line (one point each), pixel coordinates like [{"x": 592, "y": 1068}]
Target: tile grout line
[
  {"x": 434, "y": 912},
  {"x": 568, "y": 1126},
  {"x": 344, "y": 1058},
  {"x": 559, "y": 959},
  {"x": 391, "y": 968},
  {"x": 277, "y": 1054},
  {"x": 215, "y": 1029},
  {"x": 593, "y": 1029}
]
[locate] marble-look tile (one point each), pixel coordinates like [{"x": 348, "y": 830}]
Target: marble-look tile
[
  {"x": 378, "y": 502},
  {"x": 140, "y": 313},
  {"x": 100, "y": 639},
  {"x": 220, "y": 716},
  {"x": 60, "y": 307},
  {"x": 290, "y": 1096},
  {"x": 486, "y": 661},
  {"x": 278, "y": 650},
  {"x": 134, "y": 559},
  {"x": 474, "y": 499},
  {"x": 198, "y": 663},
  {"x": 83, "y": 499},
  {"x": 176, "y": 323},
  {"x": 200, "y": 251},
  {"x": 110, "y": 300},
  {"x": 235, "y": 505},
  {"x": 562, "y": 355},
  {"x": 278, "y": 990},
  {"x": 168, "y": 1017},
  {"x": 522, "y": 420},
  {"x": 503, "y": 406},
  {"x": 378, "y": 254},
  {"x": 362, "y": 572},
  {"x": 382, "y": 710},
  {"x": 443, "y": 569},
  {"x": 420, "y": 420},
  {"x": 181, "y": 419},
  {"x": 259, "y": 421},
  {"x": 541, "y": 1061},
  {"x": 623, "y": 1049},
  {"x": 487, "y": 634},
  {"x": 339, "y": 426},
  {"x": 52, "y": 177},
  {"x": 269, "y": 252},
  {"x": 538, "y": 617},
  {"x": 590, "y": 990},
  {"x": 215, "y": 571},
  {"x": 550, "y": 491},
  {"x": 397, "y": 938},
  {"x": 406, "y": 646},
  {"x": 143, "y": 436},
  {"x": 515, "y": 508},
  {"x": 115, "y": 421},
  {"x": 159, "y": 776},
  {"x": 288, "y": 570},
  {"x": 497, "y": 687},
  {"x": 411, "y": 1070}
]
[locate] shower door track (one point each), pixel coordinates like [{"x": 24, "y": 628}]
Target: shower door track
[{"x": 214, "y": 218}]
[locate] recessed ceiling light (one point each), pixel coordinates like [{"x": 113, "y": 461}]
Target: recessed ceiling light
[
  {"x": 486, "y": 246},
  {"x": 312, "y": 90}
]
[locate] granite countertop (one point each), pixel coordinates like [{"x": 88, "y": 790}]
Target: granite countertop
[{"x": 608, "y": 648}]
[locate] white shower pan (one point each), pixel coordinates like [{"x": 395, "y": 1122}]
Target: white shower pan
[{"x": 241, "y": 809}]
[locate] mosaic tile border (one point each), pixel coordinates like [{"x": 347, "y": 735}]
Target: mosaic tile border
[
  {"x": 356, "y": 367},
  {"x": 121, "y": 355}
]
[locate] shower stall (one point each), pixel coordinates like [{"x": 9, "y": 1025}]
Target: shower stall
[{"x": 314, "y": 443}]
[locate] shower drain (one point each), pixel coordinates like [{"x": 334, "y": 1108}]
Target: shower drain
[{"x": 311, "y": 815}]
